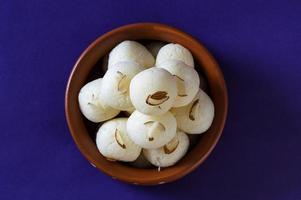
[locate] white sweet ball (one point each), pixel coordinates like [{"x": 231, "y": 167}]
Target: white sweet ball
[
  {"x": 153, "y": 91},
  {"x": 92, "y": 104},
  {"x": 113, "y": 142},
  {"x": 116, "y": 81},
  {"x": 174, "y": 52},
  {"x": 131, "y": 51},
  {"x": 151, "y": 131},
  {"x": 196, "y": 117},
  {"x": 154, "y": 47},
  {"x": 170, "y": 153},
  {"x": 141, "y": 162},
  {"x": 188, "y": 80}
]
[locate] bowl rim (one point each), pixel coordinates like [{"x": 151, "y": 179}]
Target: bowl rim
[{"x": 92, "y": 45}]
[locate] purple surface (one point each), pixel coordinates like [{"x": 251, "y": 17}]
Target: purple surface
[{"x": 258, "y": 45}]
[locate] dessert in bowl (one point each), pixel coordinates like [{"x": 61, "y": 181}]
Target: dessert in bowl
[{"x": 89, "y": 68}]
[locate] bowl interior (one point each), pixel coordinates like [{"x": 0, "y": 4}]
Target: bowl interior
[
  {"x": 90, "y": 66},
  {"x": 100, "y": 69}
]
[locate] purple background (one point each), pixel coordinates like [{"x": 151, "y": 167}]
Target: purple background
[{"x": 258, "y": 46}]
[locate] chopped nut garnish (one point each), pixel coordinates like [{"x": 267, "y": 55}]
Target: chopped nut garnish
[
  {"x": 119, "y": 139},
  {"x": 180, "y": 86},
  {"x": 122, "y": 85},
  {"x": 157, "y": 98},
  {"x": 194, "y": 110},
  {"x": 171, "y": 146},
  {"x": 154, "y": 128}
]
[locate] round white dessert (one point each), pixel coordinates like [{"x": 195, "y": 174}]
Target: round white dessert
[
  {"x": 92, "y": 104},
  {"x": 151, "y": 131},
  {"x": 131, "y": 51},
  {"x": 174, "y": 52},
  {"x": 170, "y": 153},
  {"x": 116, "y": 81},
  {"x": 113, "y": 142},
  {"x": 188, "y": 80},
  {"x": 196, "y": 117},
  {"x": 153, "y": 91}
]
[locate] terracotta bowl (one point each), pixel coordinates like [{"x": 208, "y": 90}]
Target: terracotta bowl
[{"x": 87, "y": 68}]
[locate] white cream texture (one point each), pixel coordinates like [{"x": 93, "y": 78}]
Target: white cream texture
[
  {"x": 116, "y": 81},
  {"x": 153, "y": 91},
  {"x": 92, "y": 104},
  {"x": 196, "y": 117},
  {"x": 188, "y": 80},
  {"x": 131, "y": 51},
  {"x": 151, "y": 131},
  {"x": 171, "y": 153},
  {"x": 160, "y": 96},
  {"x": 113, "y": 142},
  {"x": 174, "y": 52}
]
